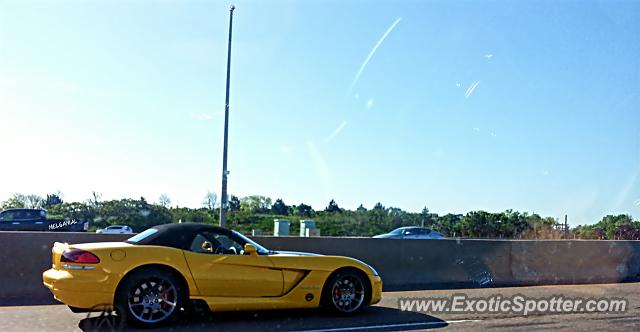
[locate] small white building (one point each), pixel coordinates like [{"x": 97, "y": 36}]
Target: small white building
[
  {"x": 306, "y": 225},
  {"x": 281, "y": 227}
]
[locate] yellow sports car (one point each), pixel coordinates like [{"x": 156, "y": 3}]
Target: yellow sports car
[{"x": 166, "y": 269}]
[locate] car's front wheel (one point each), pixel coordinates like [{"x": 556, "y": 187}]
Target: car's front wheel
[
  {"x": 151, "y": 297},
  {"x": 347, "y": 292}
]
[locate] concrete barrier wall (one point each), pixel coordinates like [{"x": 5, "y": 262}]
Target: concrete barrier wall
[
  {"x": 574, "y": 262},
  {"x": 403, "y": 264}
]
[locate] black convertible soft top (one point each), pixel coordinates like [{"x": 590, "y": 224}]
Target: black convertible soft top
[{"x": 181, "y": 235}]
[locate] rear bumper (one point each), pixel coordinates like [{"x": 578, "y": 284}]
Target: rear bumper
[
  {"x": 81, "y": 289},
  {"x": 376, "y": 291}
]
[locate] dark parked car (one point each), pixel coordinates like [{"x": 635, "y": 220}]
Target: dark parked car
[
  {"x": 36, "y": 220},
  {"x": 411, "y": 233}
]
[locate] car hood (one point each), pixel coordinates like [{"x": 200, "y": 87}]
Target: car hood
[
  {"x": 384, "y": 236},
  {"x": 293, "y": 253}
]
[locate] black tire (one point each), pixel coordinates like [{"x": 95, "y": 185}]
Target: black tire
[
  {"x": 150, "y": 297},
  {"x": 346, "y": 292}
]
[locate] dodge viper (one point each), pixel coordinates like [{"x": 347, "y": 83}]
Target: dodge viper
[{"x": 156, "y": 274}]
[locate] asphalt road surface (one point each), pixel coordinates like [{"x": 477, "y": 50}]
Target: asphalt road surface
[{"x": 385, "y": 316}]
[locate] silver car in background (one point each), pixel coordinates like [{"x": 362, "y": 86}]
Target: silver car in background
[
  {"x": 412, "y": 232},
  {"x": 115, "y": 229}
]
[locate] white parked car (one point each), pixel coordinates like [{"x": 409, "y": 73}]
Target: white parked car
[{"x": 115, "y": 229}]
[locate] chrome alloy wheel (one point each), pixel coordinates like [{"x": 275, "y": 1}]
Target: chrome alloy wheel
[
  {"x": 348, "y": 293},
  {"x": 152, "y": 300}
]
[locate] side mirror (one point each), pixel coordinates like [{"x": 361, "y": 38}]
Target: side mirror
[
  {"x": 207, "y": 246},
  {"x": 250, "y": 249}
]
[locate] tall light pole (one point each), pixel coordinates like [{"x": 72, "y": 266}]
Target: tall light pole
[{"x": 225, "y": 200}]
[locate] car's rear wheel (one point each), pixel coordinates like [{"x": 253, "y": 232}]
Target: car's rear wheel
[
  {"x": 151, "y": 297},
  {"x": 346, "y": 292}
]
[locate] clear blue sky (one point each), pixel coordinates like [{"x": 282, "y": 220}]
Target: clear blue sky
[{"x": 461, "y": 106}]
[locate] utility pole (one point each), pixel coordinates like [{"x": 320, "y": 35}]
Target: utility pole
[{"x": 224, "y": 199}]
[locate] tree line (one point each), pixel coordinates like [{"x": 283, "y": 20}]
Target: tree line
[{"x": 258, "y": 212}]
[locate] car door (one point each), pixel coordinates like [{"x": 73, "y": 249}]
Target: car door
[
  {"x": 222, "y": 270},
  {"x": 21, "y": 220},
  {"x": 9, "y": 221}
]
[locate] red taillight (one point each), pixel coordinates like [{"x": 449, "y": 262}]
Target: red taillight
[{"x": 79, "y": 256}]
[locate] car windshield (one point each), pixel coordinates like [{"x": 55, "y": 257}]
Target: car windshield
[
  {"x": 397, "y": 231},
  {"x": 141, "y": 236}
]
